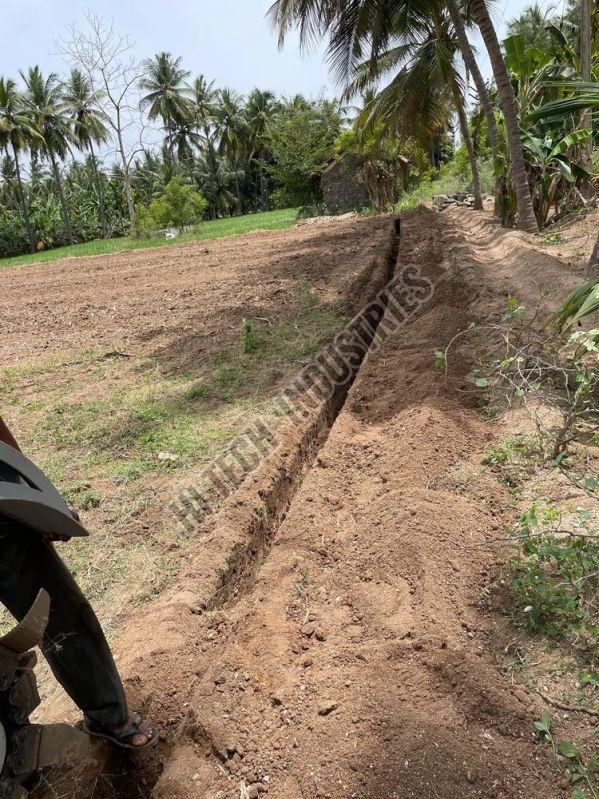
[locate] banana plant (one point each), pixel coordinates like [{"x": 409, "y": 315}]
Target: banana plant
[
  {"x": 540, "y": 75},
  {"x": 582, "y": 96},
  {"x": 535, "y": 71},
  {"x": 551, "y": 99},
  {"x": 582, "y": 302},
  {"x": 555, "y": 168}
]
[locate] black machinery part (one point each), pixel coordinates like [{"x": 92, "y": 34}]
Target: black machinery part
[
  {"x": 26, "y": 748},
  {"x": 27, "y": 496}
]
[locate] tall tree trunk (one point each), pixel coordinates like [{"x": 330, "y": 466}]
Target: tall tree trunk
[
  {"x": 170, "y": 144},
  {"x": 263, "y": 189},
  {"x": 472, "y": 67},
  {"x": 130, "y": 202},
  {"x": 127, "y": 180},
  {"x": 238, "y": 192},
  {"x": 257, "y": 192},
  {"x": 63, "y": 205},
  {"x": 465, "y": 128},
  {"x": 15, "y": 200},
  {"x": 526, "y": 215},
  {"x": 28, "y": 227},
  {"x": 189, "y": 165},
  {"x": 101, "y": 207},
  {"x": 435, "y": 152},
  {"x": 209, "y": 144}
]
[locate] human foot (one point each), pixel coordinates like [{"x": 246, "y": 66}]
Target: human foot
[{"x": 136, "y": 733}]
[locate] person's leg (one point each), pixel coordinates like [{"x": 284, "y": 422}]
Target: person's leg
[{"x": 74, "y": 643}]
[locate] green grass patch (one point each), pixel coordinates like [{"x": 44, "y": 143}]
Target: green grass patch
[
  {"x": 219, "y": 228},
  {"x": 294, "y": 340},
  {"x": 135, "y": 430},
  {"x": 511, "y": 450}
]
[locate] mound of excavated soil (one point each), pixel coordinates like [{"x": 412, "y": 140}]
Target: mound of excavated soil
[{"x": 353, "y": 656}]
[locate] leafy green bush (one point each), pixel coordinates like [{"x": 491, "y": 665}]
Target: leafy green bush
[
  {"x": 13, "y": 236},
  {"x": 302, "y": 138},
  {"x": 555, "y": 574},
  {"x": 178, "y": 207}
]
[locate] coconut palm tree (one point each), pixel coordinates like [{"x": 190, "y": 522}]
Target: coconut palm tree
[
  {"x": 532, "y": 25},
  {"x": 259, "y": 109},
  {"x": 203, "y": 98},
  {"x": 368, "y": 25},
  {"x": 151, "y": 175},
  {"x": 526, "y": 214},
  {"x": 164, "y": 82},
  {"x": 425, "y": 83},
  {"x": 43, "y": 100},
  {"x": 88, "y": 126},
  {"x": 17, "y": 133},
  {"x": 230, "y": 123},
  {"x": 232, "y": 130},
  {"x": 473, "y": 69},
  {"x": 215, "y": 176},
  {"x": 184, "y": 140}
]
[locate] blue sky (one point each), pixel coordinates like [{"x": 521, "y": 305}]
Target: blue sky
[{"x": 228, "y": 40}]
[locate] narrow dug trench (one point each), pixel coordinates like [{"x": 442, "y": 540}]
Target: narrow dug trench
[
  {"x": 327, "y": 639},
  {"x": 331, "y": 377},
  {"x": 358, "y": 664}
]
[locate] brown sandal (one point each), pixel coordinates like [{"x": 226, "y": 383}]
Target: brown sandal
[{"x": 122, "y": 736}]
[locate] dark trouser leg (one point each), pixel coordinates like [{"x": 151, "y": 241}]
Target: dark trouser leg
[{"x": 74, "y": 643}]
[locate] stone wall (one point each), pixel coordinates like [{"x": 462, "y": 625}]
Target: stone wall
[{"x": 343, "y": 186}]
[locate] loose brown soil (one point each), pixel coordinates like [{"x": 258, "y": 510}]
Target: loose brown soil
[
  {"x": 328, "y": 635},
  {"x": 177, "y": 304},
  {"x": 122, "y": 375}
]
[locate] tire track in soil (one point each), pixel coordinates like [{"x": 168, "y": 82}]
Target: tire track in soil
[{"x": 352, "y": 661}]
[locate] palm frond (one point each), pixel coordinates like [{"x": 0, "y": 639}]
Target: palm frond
[{"x": 582, "y": 302}]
